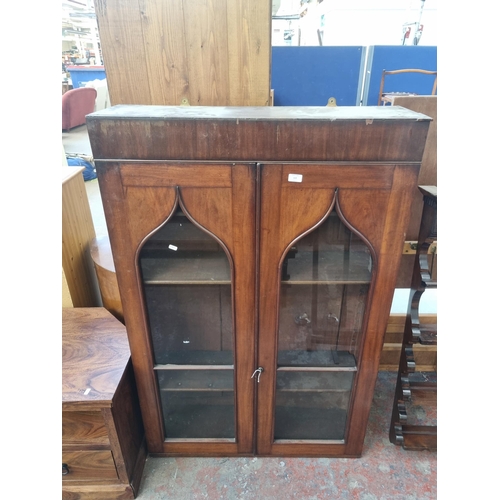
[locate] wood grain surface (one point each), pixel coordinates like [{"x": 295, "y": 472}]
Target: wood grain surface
[
  {"x": 257, "y": 134},
  {"x": 103, "y": 443},
  {"x": 77, "y": 234},
  {"x": 100, "y": 251},
  {"x": 84, "y": 429},
  {"x": 197, "y": 52},
  {"x": 89, "y": 465},
  {"x": 94, "y": 359},
  {"x": 428, "y": 170}
]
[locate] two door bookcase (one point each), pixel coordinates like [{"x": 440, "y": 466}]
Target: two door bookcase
[{"x": 256, "y": 251}]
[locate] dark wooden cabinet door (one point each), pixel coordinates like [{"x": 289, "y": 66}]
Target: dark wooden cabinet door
[
  {"x": 330, "y": 244},
  {"x": 184, "y": 237}
]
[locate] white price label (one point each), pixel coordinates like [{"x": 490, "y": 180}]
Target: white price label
[
  {"x": 172, "y": 247},
  {"x": 294, "y": 177}
]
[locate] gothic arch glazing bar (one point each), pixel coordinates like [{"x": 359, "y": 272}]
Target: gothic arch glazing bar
[
  {"x": 186, "y": 277},
  {"x": 326, "y": 274}
]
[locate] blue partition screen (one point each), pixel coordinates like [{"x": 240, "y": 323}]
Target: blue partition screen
[
  {"x": 391, "y": 57},
  {"x": 309, "y": 76}
]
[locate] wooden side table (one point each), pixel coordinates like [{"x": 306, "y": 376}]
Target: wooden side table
[{"x": 103, "y": 445}]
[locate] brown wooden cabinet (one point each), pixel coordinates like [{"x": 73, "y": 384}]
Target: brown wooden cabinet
[
  {"x": 103, "y": 445},
  {"x": 256, "y": 251}
]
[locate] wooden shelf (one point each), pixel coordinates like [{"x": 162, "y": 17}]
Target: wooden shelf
[
  {"x": 428, "y": 334},
  {"x": 308, "y": 381},
  {"x": 200, "y": 360},
  {"x": 221, "y": 379},
  {"x": 212, "y": 268},
  {"x": 316, "y": 361},
  {"x": 333, "y": 268},
  {"x": 193, "y": 268},
  {"x": 197, "y": 380},
  {"x": 417, "y": 437}
]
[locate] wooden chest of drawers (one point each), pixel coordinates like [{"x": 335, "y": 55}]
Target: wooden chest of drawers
[{"x": 103, "y": 445}]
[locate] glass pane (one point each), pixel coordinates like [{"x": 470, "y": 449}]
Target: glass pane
[
  {"x": 312, "y": 405},
  {"x": 190, "y": 324},
  {"x": 325, "y": 282},
  {"x": 197, "y": 403},
  {"x": 187, "y": 287}
]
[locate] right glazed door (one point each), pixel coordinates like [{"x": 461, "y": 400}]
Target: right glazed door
[{"x": 331, "y": 240}]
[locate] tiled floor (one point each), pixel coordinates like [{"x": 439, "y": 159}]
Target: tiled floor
[{"x": 384, "y": 472}]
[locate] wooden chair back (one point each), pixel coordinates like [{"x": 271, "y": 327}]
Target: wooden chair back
[{"x": 387, "y": 96}]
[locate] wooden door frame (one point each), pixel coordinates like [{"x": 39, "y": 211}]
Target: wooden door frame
[
  {"x": 395, "y": 181},
  {"x": 138, "y": 197}
]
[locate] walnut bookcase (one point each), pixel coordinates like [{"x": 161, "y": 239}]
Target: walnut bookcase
[{"x": 256, "y": 250}]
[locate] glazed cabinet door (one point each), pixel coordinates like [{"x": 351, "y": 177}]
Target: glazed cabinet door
[
  {"x": 331, "y": 237},
  {"x": 183, "y": 239}
]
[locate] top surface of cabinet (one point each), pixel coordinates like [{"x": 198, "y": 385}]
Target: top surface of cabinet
[
  {"x": 95, "y": 352},
  {"x": 284, "y": 133},
  {"x": 261, "y": 113}
]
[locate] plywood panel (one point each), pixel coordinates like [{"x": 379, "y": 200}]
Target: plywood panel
[{"x": 201, "y": 52}]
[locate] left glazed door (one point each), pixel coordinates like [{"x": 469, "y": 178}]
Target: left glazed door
[{"x": 183, "y": 237}]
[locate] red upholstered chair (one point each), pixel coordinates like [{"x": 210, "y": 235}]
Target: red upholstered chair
[{"x": 76, "y": 104}]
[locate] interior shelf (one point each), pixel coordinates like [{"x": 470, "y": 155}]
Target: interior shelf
[
  {"x": 198, "y": 360},
  {"x": 308, "y": 381},
  {"x": 213, "y": 268},
  {"x": 333, "y": 267},
  {"x": 223, "y": 380},
  {"x": 199, "y": 268},
  {"x": 196, "y": 380},
  {"x": 312, "y": 360}
]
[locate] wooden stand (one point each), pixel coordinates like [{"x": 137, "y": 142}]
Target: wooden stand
[
  {"x": 412, "y": 390},
  {"x": 103, "y": 445}
]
